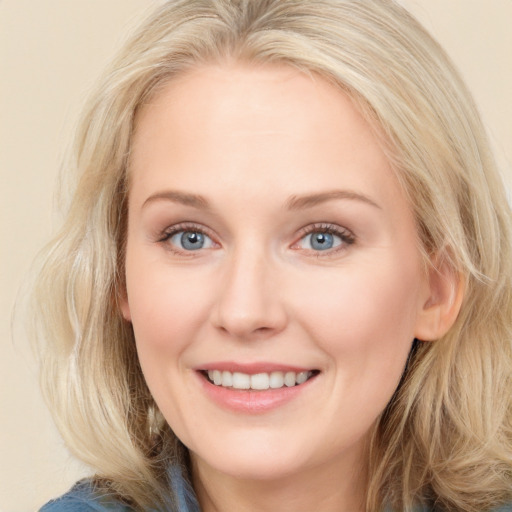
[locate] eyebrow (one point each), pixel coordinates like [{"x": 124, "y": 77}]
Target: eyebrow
[
  {"x": 310, "y": 200},
  {"x": 293, "y": 203},
  {"x": 175, "y": 196}
]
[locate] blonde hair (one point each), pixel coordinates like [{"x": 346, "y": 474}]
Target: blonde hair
[{"x": 445, "y": 438}]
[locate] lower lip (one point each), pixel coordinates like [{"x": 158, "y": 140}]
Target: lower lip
[{"x": 252, "y": 401}]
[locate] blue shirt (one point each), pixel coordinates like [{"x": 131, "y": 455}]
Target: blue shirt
[{"x": 83, "y": 498}]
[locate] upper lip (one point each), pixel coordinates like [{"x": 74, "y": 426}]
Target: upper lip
[{"x": 252, "y": 368}]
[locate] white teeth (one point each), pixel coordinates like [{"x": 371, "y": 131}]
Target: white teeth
[
  {"x": 227, "y": 379},
  {"x": 241, "y": 381},
  {"x": 302, "y": 377},
  {"x": 276, "y": 380},
  {"x": 217, "y": 377},
  {"x": 258, "y": 381},
  {"x": 289, "y": 379}
]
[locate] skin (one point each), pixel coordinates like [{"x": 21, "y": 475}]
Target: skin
[{"x": 250, "y": 141}]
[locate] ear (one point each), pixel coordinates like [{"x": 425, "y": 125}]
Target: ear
[
  {"x": 442, "y": 301},
  {"x": 124, "y": 305}
]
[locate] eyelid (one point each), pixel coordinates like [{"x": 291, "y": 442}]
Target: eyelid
[
  {"x": 165, "y": 235},
  {"x": 185, "y": 226},
  {"x": 347, "y": 237}
]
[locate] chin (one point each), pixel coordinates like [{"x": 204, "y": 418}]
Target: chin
[
  {"x": 249, "y": 454},
  {"x": 257, "y": 468}
]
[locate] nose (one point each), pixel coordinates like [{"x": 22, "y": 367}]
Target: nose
[{"x": 250, "y": 303}]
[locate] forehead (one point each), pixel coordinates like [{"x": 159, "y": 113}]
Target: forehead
[{"x": 227, "y": 125}]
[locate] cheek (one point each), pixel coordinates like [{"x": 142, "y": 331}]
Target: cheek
[
  {"x": 167, "y": 311},
  {"x": 363, "y": 320},
  {"x": 368, "y": 311},
  {"x": 166, "y": 307}
]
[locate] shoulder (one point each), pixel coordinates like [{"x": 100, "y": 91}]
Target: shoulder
[{"x": 83, "y": 498}]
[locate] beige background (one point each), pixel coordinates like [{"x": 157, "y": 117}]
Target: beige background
[{"x": 50, "y": 52}]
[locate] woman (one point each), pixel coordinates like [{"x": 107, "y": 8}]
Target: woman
[{"x": 284, "y": 279}]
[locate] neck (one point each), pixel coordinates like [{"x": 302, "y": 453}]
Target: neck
[{"x": 336, "y": 487}]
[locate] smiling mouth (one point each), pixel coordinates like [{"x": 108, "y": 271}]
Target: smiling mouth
[{"x": 258, "y": 381}]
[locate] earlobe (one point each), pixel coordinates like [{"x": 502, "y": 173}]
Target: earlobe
[
  {"x": 439, "y": 311},
  {"x": 124, "y": 306}
]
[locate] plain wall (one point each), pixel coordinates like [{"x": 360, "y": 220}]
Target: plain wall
[{"x": 50, "y": 53}]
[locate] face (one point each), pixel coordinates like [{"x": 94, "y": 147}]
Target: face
[{"x": 273, "y": 275}]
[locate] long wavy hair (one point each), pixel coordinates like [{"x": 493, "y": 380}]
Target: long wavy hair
[{"x": 445, "y": 438}]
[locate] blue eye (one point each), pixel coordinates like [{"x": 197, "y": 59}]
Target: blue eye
[
  {"x": 321, "y": 241},
  {"x": 325, "y": 238},
  {"x": 191, "y": 240}
]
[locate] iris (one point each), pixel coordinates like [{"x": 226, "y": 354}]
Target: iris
[
  {"x": 321, "y": 241},
  {"x": 192, "y": 240}
]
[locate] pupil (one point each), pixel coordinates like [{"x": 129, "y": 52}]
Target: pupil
[
  {"x": 192, "y": 240},
  {"x": 322, "y": 241}
]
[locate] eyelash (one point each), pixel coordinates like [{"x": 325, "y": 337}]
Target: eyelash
[
  {"x": 346, "y": 236},
  {"x": 168, "y": 233}
]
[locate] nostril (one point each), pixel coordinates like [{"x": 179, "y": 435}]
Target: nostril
[
  {"x": 248, "y": 306},
  {"x": 247, "y": 329}
]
